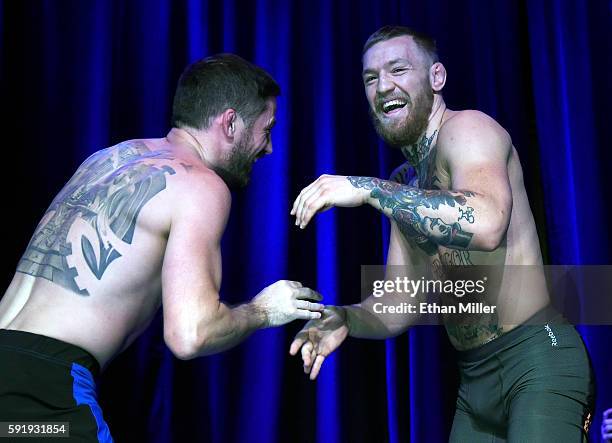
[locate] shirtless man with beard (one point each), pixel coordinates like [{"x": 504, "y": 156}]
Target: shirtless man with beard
[
  {"x": 137, "y": 227},
  {"x": 458, "y": 200}
]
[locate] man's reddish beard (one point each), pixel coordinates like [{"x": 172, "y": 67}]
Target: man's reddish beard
[
  {"x": 236, "y": 168},
  {"x": 408, "y": 131}
]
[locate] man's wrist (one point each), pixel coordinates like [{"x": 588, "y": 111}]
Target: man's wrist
[
  {"x": 257, "y": 316},
  {"x": 360, "y": 185},
  {"x": 345, "y": 313},
  {"x": 367, "y": 197}
]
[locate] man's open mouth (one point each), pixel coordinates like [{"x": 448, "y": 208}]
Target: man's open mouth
[{"x": 390, "y": 106}]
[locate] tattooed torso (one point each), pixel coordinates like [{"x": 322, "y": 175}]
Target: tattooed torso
[
  {"x": 95, "y": 258},
  {"x": 431, "y": 181}
]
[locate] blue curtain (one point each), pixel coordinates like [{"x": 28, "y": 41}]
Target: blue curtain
[{"x": 79, "y": 76}]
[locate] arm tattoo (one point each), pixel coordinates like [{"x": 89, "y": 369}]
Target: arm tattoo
[
  {"x": 105, "y": 195},
  {"x": 404, "y": 202},
  {"x": 468, "y": 214}
]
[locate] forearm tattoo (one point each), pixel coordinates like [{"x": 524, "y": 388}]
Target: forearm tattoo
[
  {"x": 105, "y": 195},
  {"x": 405, "y": 202}
]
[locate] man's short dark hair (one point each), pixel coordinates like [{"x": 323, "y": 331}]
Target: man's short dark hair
[
  {"x": 210, "y": 86},
  {"x": 423, "y": 41}
]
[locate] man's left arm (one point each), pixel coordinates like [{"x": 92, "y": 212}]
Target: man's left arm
[{"x": 474, "y": 214}]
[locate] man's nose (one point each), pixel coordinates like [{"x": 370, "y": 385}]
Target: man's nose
[{"x": 383, "y": 85}]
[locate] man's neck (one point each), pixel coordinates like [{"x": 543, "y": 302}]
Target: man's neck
[
  {"x": 417, "y": 153},
  {"x": 196, "y": 144}
]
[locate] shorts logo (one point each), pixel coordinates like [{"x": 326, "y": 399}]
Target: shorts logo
[
  {"x": 553, "y": 339},
  {"x": 587, "y": 423}
]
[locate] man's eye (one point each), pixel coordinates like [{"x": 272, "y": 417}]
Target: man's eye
[
  {"x": 398, "y": 70},
  {"x": 370, "y": 79}
]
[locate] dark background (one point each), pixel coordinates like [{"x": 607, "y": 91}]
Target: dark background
[{"x": 77, "y": 76}]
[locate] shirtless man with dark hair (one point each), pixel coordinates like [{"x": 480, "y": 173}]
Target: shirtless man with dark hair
[
  {"x": 458, "y": 201},
  {"x": 137, "y": 227}
]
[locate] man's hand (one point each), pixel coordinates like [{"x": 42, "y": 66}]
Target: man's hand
[
  {"x": 606, "y": 427},
  {"x": 319, "y": 338},
  {"x": 324, "y": 193},
  {"x": 285, "y": 301}
]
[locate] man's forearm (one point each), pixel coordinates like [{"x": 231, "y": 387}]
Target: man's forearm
[
  {"x": 364, "y": 324},
  {"x": 454, "y": 219},
  {"x": 368, "y": 320},
  {"x": 229, "y": 327}
]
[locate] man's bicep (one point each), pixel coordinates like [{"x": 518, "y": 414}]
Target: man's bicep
[
  {"x": 477, "y": 152},
  {"x": 191, "y": 272},
  {"x": 192, "y": 262},
  {"x": 482, "y": 176}
]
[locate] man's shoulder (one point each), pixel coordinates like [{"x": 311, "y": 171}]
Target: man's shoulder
[
  {"x": 470, "y": 121},
  {"x": 190, "y": 177},
  {"x": 188, "y": 184},
  {"x": 199, "y": 188},
  {"x": 469, "y": 129}
]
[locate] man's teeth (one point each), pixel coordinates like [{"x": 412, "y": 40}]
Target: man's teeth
[{"x": 393, "y": 104}]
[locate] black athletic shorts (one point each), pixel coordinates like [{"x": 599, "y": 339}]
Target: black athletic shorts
[
  {"x": 47, "y": 380},
  {"x": 532, "y": 384}
]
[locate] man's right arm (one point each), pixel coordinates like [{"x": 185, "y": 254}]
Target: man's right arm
[
  {"x": 363, "y": 320},
  {"x": 402, "y": 257},
  {"x": 196, "y": 322}
]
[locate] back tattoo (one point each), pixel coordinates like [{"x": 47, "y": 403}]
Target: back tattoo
[{"x": 105, "y": 195}]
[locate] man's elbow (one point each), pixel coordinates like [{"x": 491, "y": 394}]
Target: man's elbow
[
  {"x": 183, "y": 345},
  {"x": 490, "y": 243},
  {"x": 493, "y": 235}
]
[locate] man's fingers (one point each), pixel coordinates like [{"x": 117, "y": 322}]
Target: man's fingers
[
  {"x": 307, "y": 355},
  {"x": 308, "y": 294},
  {"x": 304, "y": 207},
  {"x": 311, "y": 207},
  {"x": 308, "y": 195},
  {"x": 309, "y": 306},
  {"x": 297, "y": 343},
  {"x": 296, "y": 204},
  {"x": 300, "y": 198},
  {"x": 607, "y": 413},
  {"x": 310, "y": 358},
  {"x": 316, "y": 367},
  {"x": 302, "y": 314}
]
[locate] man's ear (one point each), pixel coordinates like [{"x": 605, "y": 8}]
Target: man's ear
[
  {"x": 437, "y": 77},
  {"x": 228, "y": 122}
]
